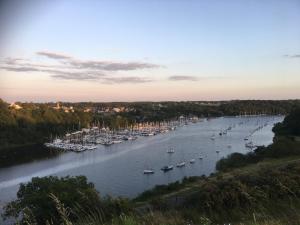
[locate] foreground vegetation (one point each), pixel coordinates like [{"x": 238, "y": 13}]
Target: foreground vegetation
[{"x": 264, "y": 191}]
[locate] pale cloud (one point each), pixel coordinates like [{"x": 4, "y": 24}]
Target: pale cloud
[
  {"x": 97, "y": 64},
  {"x": 53, "y": 55},
  {"x": 19, "y": 69},
  {"x": 196, "y": 78},
  {"x": 292, "y": 56},
  {"x": 110, "y": 66},
  {"x": 55, "y": 73},
  {"x": 127, "y": 80},
  {"x": 183, "y": 78},
  {"x": 70, "y": 68}
]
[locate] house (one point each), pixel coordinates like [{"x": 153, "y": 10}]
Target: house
[
  {"x": 87, "y": 110},
  {"x": 57, "y": 107},
  {"x": 15, "y": 106}
]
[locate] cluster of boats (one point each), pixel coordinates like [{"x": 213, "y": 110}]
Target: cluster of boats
[
  {"x": 81, "y": 141},
  {"x": 224, "y": 132},
  {"x": 59, "y": 144},
  {"x": 88, "y": 138},
  {"x": 171, "y": 167},
  {"x": 250, "y": 145}
]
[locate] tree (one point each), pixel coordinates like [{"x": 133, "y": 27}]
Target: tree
[{"x": 35, "y": 197}]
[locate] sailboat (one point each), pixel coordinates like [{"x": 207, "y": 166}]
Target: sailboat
[
  {"x": 192, "y": 161},
  {"x": 181, "y": 164},
  {"x": 149, "y": 171},
  {"x": 167, "y": 168},
  {"x": 171, "y": 151}
]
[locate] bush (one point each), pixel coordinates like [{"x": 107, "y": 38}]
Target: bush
[{"x": 75, "y": 194}]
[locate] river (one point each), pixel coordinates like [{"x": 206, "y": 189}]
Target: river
[{"x": 117, "y": 170}]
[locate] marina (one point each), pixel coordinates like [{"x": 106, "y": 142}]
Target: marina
[{"x": 89, "y": 138}]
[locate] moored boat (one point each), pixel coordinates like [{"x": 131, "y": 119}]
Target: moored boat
[
  {"x": 167, "y": 168},
  {"x": 149, "y": 171},
  {"x": 181, "y": 164},
  {"x": 171, "y": 150}
]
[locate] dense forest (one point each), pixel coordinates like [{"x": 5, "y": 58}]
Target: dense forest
[{"x": 25, "y": 128}]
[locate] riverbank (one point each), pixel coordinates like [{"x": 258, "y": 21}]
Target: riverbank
[{"x": 25, "y": 153}]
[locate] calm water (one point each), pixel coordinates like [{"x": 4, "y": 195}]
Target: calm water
[{"x": 118, "y": 169}]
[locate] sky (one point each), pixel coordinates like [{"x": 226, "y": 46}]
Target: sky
[{"x": 149, "y": 50}]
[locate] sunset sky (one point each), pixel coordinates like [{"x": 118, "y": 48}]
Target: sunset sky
[{"x": 122, "y": 50}]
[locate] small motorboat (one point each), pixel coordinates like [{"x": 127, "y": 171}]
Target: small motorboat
[
  {"x": 181, "y": 164},
  {"x": 192, "y": 161},
  {"x": 91, "y": 147},
  {"x": 107, "y": 143},
  {"x": 149, "y": 171},
  {"x": 217, "y": 151},
  {"x": 131, "y": 138},
  {"x": 167, "y": 168},
  {"x": 201, "y": 157}
]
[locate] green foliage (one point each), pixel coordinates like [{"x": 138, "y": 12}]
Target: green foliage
[
  {"x": 231, "y": 197},
  {"x": 281, "y": 147},
  {"x": 236, "y": 160},
  {"x": 41, "y": 197},
  {"x": 163, "y": 189},
  {"x": 290, "y": 125},
  {"x": 268, "y": 192}
]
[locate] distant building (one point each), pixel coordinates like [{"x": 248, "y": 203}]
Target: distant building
[
  {"x": 87, "y": 110},
  {"x": 68, "y": 109},
  {"x": 57, "y": 107},
  {"x": 64, "y": 108},
  {"x": 117, "y": 110},
  {"x": 15, "y": 106}
]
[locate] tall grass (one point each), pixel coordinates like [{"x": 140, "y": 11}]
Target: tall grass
[{"x": 289, "y": 216}]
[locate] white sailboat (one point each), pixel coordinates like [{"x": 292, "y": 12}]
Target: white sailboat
[
  {"x": 149, "y": 171},
  {"x": 171, "y": 151},
  {"x": 181, "y": 164},
  {"x": 167, "y": 168},
  {"x": 192, "y": 161}
]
